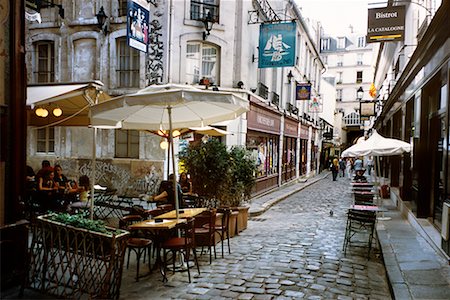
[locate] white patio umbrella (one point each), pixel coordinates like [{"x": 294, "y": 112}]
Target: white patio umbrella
[
  {"x": 168, "y": 107},
  {"x": 377, "y": 145}
]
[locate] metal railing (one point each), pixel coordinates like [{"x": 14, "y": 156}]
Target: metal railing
[
  {"x": 201, "y": 9},
  {"x": 263, "y": 90}
]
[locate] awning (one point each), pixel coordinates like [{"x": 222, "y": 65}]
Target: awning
[{"x": 74, "y": 99}]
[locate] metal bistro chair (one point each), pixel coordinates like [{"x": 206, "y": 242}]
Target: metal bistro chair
[
  {"x": 136, "y": 243},
  {"x": 363, "y": 198},
  {"x": 360, "y": 222}
]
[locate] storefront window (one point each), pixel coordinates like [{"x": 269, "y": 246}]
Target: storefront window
[
  {"x": 265, "y": 151},
  {"x": 289, "y": 153},
  {"x": 303, "y": 155}
]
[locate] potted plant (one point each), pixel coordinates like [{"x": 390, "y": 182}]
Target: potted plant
[
  {"x": 224, "y": 178},
  {"x": 75, "y": 257}
]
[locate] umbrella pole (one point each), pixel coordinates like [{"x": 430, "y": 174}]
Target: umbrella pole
[
  {"x": 382, "y": 217},
  {"x": 94, "y": 158},
  {"x": 171, "y": 147}
]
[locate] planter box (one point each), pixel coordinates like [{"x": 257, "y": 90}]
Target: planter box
[
  {"x": 242, "y": 218},
  {"x": 71, "y": 262},
  {"x": 233, "y": 223}
]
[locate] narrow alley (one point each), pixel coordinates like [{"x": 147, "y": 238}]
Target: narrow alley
[{"x": 294, "y": 250}]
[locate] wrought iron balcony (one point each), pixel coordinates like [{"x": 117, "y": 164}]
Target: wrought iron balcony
[
  {"x": 263, "y": 90},
  {"x": 201, "y": 9},
  {"x": 275, "y": 99}
]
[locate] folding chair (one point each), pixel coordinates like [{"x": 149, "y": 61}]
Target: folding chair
[{"x": 361, "y": 223}]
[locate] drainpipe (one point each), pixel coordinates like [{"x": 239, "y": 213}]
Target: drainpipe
[{"x": 169, "y": 51}]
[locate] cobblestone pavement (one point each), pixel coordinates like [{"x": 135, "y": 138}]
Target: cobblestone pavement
[{"x": 292, "y": 251}]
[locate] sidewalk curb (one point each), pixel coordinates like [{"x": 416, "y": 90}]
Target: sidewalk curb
[{"x": 267, "y": 205}]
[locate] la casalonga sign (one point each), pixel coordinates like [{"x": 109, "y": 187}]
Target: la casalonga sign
[
  {"x": 386, "y": 24},
  {"x": 277, "y": 45}
]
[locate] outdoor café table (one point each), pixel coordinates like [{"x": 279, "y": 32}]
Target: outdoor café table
[
  {"x": 155, "y": 229},
  {"x": 361, "y": 184},
  {"x": 368, "y": 208},
  {"x": 183, "y": 213},
  {"x": 365, "y": 208}
]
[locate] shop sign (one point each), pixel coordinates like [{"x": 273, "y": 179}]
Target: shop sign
[
  {"x": 137, "y": 24},
  {"x": 315, "y": 105},
  {"x": 302, "y": 91},
  {"x": 366, "y": 109},
  {"x": 290, "y": 128},
  {"x": 277, "y": 45},
  {"x": 304, "y": 132},
  {"x": 386, "y": 24},
  {"x": 263, "y": 120}
]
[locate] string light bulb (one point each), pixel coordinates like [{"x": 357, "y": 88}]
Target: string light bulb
[
  {"x": 164, "y": 144},
  {"x": 39, "y": 111},
  {"x": 57, "y": 112},
  {"x": 176, "y": 133}
]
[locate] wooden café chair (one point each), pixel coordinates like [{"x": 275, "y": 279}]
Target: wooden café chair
[
  {"x": 184, "y": 243},
  {"x": 205, "y": 232},
  {"x": 136, "y": 243}
]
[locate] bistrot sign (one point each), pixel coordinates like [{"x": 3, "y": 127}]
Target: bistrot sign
[{"x": 386, "y": 24}]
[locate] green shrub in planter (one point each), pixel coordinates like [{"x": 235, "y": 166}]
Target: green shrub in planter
[
  {"x": 81, "y": 221},
  {"x": 75, "y": 257},
  {"x": 226, "y": 177}
]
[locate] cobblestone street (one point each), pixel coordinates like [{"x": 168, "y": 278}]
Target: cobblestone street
[{"x": 294, "y": 250}]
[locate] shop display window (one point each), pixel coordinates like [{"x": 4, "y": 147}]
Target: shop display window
[{"x": 265, "y": 151}]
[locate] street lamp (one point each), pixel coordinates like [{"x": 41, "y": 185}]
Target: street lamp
[
  {"x": 359, "y": 93},
  {"x": 101, "y": 20},
  {"x": 208, "y": 23},
  {"x": 290, "y": 76}
]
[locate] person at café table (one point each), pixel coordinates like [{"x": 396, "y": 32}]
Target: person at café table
[
  {"x": 185, "y": 183},
  {"x": 47, "y": 189},
  {"x": 166, "y": 195}
]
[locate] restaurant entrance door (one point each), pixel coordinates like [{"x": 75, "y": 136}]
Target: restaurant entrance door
[{"x": 438, "y": 141}]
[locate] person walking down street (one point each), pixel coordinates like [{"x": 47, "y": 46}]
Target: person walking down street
[
  {"x": 335, "y": 168},
  {"x": 342, "y": 167},
  {"x": 369, "y": 165},
  {"x": 348, "y": 167},
  {"x": 358, "y": 164}
]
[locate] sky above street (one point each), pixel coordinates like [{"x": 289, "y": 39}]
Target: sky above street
[{"x": 337, "y": 15}]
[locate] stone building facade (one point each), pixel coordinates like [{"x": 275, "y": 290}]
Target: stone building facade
[
  {"x": 349, "y": 65},
  {"x": 75, "y": 48}
]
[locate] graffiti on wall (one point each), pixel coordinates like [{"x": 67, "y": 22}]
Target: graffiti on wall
[
  {"x": 131, "y": 179},
  {"x": 154, "y": 62}
]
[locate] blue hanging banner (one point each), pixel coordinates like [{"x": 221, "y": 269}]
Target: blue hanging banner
[
  {"x": 277, "y": 45},
  {"x": 303, "y": 91},
  {"x": 137, "y": 24}
]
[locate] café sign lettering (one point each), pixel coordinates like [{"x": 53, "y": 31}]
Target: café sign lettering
[
  {"x": 265, "y": 121},
  {"x": 386, "y": 24}
]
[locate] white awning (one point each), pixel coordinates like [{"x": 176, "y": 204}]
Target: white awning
[{"x": 74, "y": 99}]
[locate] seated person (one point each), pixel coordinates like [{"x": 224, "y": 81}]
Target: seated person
[
  {"x": 47, "y": 190},
  {"x": 185, "y": 183},
  {"x": 167, "y": 195},
  {"x": 359, "y": 176},
  {"x": 82, "y": 189}
]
